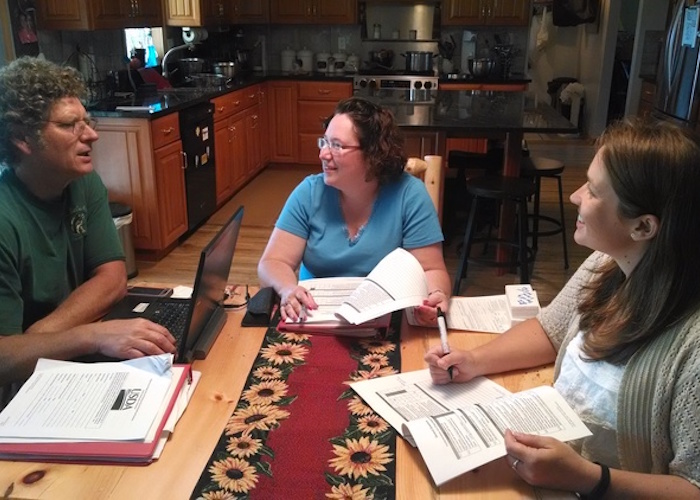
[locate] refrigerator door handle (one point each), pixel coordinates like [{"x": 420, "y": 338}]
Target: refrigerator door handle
[{"x": 674, "y": 46}]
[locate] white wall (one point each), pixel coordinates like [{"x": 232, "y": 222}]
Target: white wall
[{"x": 585, "y": 52}]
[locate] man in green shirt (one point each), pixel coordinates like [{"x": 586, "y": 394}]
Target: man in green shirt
[{"x": 61, "y": 263}]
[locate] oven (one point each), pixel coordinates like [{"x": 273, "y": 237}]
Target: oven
[{"x": 410, "y": 98}]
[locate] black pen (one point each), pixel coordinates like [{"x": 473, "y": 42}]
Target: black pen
[{"x": 442, "y": 326}]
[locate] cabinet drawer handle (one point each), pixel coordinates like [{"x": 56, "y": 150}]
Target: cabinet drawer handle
[
  {"x": 237, "y": 103},
  {"x": 184, "y": 160},
  {"x": 324, "y": 92},
  {"x": 220, "y": 109},
  {"x": 167, "y": 131}
]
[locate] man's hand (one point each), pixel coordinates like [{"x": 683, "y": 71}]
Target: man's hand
[{"x": 132, "y": 338}]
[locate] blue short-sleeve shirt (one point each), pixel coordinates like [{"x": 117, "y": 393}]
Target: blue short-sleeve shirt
[{"x": 403, "y": 216}]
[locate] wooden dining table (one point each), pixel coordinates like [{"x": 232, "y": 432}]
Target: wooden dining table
[{"x": 224, "y": 372}]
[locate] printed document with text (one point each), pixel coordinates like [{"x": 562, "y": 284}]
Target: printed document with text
[{"x": 458, "y": 427}]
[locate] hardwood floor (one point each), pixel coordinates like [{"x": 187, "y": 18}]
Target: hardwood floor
[{"x": 264, "y": 196}]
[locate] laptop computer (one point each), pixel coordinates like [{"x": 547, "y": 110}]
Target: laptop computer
[{"x": 204, "y": 311}]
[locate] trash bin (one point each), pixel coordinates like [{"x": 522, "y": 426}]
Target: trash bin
[{"x": 122, "y": 216}]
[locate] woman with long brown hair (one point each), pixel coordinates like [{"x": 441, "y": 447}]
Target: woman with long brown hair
[{"x": 624, "y": 333}]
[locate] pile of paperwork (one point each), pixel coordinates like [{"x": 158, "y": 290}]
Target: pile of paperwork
[{"x": 96, "y": 412}]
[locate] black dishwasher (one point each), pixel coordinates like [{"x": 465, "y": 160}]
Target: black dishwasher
[{"x": 197, "y": 134}]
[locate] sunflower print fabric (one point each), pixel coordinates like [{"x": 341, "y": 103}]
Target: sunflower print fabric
[{"x": 300, "y": 431}]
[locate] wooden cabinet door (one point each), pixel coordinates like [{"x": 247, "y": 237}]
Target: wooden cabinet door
[
  {"x": 290, "y": 11},
  {"x": 183, "y": 13},
  {"x": 251, "y": 11},
  {"x": 253, "y": 130},
  {"x": 172, "y": 198},
  {"x": 118, "y": 14},
  {"x": 463, "y": 12},
  {"x": 239, "y": 150},
  {"x": 216, "y": 12},
  {"x": 509, "y": 12},
  {"x": 335, "y": 11},
  {"x": 264, "y": 125},
  {"x": 419, "y": 144},
  {"x": 63, "y": 15},
  {"x": 282, "y": 117},
  {"x": 486, "y": 12},
  {"x": 223, "y": 137}
]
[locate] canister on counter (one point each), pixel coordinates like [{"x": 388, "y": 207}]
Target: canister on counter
[{"x": 306, "y": 57}]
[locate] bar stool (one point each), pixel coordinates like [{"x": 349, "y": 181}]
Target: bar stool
[
  {"x": 536, "y": 168},
  {"x": 485, "y": 189}
]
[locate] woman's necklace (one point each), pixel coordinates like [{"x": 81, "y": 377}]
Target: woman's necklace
[{"x": 353, "y": 237}]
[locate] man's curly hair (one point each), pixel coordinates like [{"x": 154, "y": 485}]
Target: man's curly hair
[
  {"x": 381, "y": 141},
  {"x": 29, "y": 87}
]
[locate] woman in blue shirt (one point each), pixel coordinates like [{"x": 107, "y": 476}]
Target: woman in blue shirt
[{"x": 343, "y": 221}]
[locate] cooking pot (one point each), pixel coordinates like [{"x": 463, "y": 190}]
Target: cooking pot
[
  {"x": 481, "y": 68},
  {"x": 382, "y": 57},
  {"x": 191, "y": 65},
  {"x": 418, "y": 61},
  {"x": 229, "y": 69}
]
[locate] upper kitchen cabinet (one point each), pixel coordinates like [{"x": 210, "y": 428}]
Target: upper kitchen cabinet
[
  {"x": 98, "y": 14},
  {"x": 235, "y": 11},
  {"x": 486, "y": 12},
  {"x": 210, "y": 12},
  {"x": 313, "y": 11}
]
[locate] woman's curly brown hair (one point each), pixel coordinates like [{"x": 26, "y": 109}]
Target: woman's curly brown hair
[
  {"x": 29, "y": 87},
  {"x": 381, "y": 141}
]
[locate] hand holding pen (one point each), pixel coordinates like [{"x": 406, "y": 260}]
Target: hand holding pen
[{"x": 442, "y": 326}]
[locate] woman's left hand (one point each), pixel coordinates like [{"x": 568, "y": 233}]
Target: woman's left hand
[
  {"x": 549, "y": 463},
  {"x": 426, "y": 314}
]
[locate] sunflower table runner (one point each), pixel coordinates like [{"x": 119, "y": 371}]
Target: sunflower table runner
[{"x": 299, "y": 431}]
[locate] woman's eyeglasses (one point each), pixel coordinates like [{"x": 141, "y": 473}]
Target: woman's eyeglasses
[
  {"x": 78, "y": 126},
  {"x": 334, "y": 146}
]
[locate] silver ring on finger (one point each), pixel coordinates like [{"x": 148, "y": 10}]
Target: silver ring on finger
[{"x": 515, "y": 464}]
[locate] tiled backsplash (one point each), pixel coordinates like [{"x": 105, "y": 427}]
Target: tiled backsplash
[{"x": 106, "y": 47}]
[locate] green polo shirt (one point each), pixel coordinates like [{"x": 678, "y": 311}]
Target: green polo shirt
[{"x": 48, "y": 249}]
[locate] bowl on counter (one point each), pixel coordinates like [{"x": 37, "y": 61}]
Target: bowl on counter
[{"x": 482, "y": 67}]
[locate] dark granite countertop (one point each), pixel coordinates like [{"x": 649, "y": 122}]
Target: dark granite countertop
[
  {"x": 464, "y": 112},
  {"x": 176, "y": 99}
]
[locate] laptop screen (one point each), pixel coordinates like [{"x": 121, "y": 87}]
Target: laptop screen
[{"x": 209, "y": 289}]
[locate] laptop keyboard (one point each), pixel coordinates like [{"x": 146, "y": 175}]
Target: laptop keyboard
[{"x": 173, "y": 316}]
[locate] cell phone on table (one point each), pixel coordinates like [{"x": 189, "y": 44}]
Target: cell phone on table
[{"x": 145, "y": 291}]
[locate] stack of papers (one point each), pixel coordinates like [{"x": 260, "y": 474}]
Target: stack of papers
[
  {"x": 96, "y": 412},
  {"x": 493, "y": 313}
]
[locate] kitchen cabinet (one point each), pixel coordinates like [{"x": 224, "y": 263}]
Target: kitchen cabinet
[
  {"x": 486, "y": 12},
  {"x": 282, "y": 120},
  {"x": 100, "y": 14},
  {"x": 316, "y": 103},
  {"x": 646, "y": 99},
  {"x": 141, "y": 163},
  {"x": 420, "y": 144},
  {"x": 264, "y": 125},
  {"x": 237, "y": 140},
  {"x": 211, "y": 12},
  {"x": 313, "y": 11}
]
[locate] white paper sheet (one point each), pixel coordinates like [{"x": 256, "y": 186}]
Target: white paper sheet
[{"x": 89, "y": 401}]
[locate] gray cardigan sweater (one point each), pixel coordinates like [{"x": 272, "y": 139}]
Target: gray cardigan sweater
[{"x": 658, "y": 418}]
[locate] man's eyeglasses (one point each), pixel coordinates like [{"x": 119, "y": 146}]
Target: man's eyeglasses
[
  {"x": 78, "y": 126},
  {"x": 334, "y": 146}
]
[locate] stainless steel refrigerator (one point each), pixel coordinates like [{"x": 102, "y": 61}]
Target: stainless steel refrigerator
[{"x": 677, "y": 99}]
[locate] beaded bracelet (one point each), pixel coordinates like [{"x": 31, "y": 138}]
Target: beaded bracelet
[{"x": 602, "y": 486}]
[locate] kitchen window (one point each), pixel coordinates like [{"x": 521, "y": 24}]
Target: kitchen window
[{"x": 150, "y": 40}]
